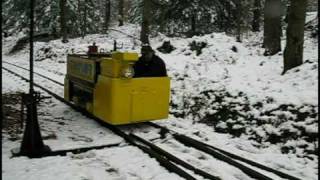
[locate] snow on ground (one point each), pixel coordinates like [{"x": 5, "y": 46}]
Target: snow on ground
[
  {"x": 68, "y": 130},
  {"x": 227, "y": 77},
  {"x": 245, "y": 70}
]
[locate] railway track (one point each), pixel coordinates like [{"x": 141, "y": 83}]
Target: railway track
[{"x": 166, "y": 159}]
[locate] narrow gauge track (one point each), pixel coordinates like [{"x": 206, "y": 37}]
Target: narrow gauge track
[
  {"x": 222, "y": 154},
  {"x": 61, "y": 84},
  {"x": 166, "y": 159},
  {"x": 133, "y": 140}
]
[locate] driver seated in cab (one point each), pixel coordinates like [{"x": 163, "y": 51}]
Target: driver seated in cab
[{"x": 149, "y": 64}]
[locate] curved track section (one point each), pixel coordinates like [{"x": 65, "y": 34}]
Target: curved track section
[
  {"x": 163, "y": 160},
  {"x": 166, "y": 159}
]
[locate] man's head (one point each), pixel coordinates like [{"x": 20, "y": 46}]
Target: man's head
[{"x": 147, "y": 52}]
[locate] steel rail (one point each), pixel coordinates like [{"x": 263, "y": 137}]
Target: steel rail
[
  {"x": 35, "y": 73},
  {"x": 176, "y": 159},
  {"x": 252, "y": 173},
  {"x": 222, "y": 154},
  {"x": 152, "y": 153},
  {"x": 234, "y": 156}
]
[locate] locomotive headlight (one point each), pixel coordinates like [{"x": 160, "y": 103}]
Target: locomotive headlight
[{"x": 128, "y": 72}]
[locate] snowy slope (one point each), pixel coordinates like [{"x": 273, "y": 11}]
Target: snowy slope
[{"x": 230, "y": 96}]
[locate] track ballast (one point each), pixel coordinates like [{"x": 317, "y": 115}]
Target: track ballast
[{"x": 165, "y": 158}]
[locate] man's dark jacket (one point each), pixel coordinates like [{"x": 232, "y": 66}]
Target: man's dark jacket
[{"x": 153, "y": 68}]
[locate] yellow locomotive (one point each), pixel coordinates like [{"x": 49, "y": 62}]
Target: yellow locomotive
[{"x": 103, "y": 84}]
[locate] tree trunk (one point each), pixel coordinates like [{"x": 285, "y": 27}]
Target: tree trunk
[
  {"x": 126, "y": 9},
  {"x": 239, "y": 19},
  {"x": 107, "y": 15},
  {"x": 162, "y": 21},
  {"x": 144, "y": 36},
  {"x": 227, "y": 21},
  {"x": 84, "y": 28},
  {"x": 79, "y": 20},
  {"x": 193, "y": 25},
  {"x": 63, "y": 25},
  {"x": 256, "y": 16},
  {"x": 293, "y": 53},
  {"x": 121, "y": 6},
  {"x": 272, "y": 27}
]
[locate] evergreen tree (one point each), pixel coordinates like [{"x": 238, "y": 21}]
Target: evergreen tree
[
  {"x": 63, "y": 25},
  {"x": 107, "y": 14},
  {"x": 272, "y": 27},
  {"x": 121, "y": 13},
  {"x": 47, "y": 17},
  {"x": 256, "y": 16},
  {"x": 293, "y": 53},
  {"x": 145, "y": 31},
  {"x": 239, "y": 20}
]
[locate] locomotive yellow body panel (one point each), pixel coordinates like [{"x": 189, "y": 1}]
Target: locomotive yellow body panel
[
  {"x": 113, "y": 67},
  {"x": 84, "y": 69},
  {"x": 123, "y": 101},
  {"x": 125, "y": 56}
]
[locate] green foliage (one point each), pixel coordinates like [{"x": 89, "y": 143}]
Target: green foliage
[
  {"x": 171, "y": 17},
  {"x": 47, "y": 17},
  {"x": 188, "y": 17},
  {"x": 194, "y": 17}
]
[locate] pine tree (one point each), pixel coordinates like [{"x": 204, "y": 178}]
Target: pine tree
[
  {"x": 63, "y": 29},
  {"x": 272, "y": 27},
  {"x": 239, "y": 20},
  {"x": 145, "y": 31},
  {"x": 256, "y": 16},
  {"x": 107, "y": 14},
  {"x": 121, "y": 15},
  {"x": 293, "y": 53}
]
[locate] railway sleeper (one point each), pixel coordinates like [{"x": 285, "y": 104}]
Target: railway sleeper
[
  {"x": 176, "y": 159},
  {"x": 209, "y": 149},
  {"x": 163, "y": 161},
  {"x": 221, "y": 154},
  {"x": 227, "y": 157}
]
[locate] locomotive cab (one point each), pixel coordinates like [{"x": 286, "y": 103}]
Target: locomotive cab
[{"x": 104, "y": 86}]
